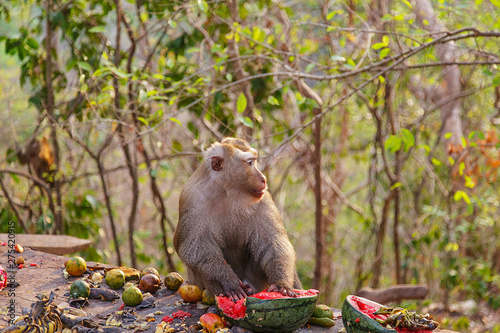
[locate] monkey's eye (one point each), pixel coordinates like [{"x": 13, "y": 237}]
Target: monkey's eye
[{"x": 250, "y": 161}]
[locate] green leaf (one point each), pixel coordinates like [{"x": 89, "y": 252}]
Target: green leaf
[
  {"x": 461, "y": 168},
  {"x": 378, "y": 46},
  {"x": 495, "y": 3},
  {"x": 246, "y": 121},
  {"x": 85, "y": 66},
  {"x": 396, "y": 185},
  {"x": 384, "y": 52},
  {"x": 31, "y": 42},
  {"x": 97, "y": 29},
  {"x": 153, "y": 173},
  {"x": 273, "y": 100},
  {"x": 448, "y": 135},
  {"x": 203, "y": 5},
  {"x": 331, "y": 15},
  {"x": 408, "y": 138},
  {"x": 143, "y": 120},
  {"x": 464, "y": 142},
  {"x": 436, "y": 162},
  {"x": 175, "y": 120},
  {"x": 393, "y": 143},
  {"x": 241, "y": 103},
  {"x": 451, "y": 160},
  {"x": 469, "y": 182},
  {"x": 406, "y": 2},
  {"x": 461, "y": 195},
  {"x": 172, "y": 23},
  {"x": 310, "y": 67}
]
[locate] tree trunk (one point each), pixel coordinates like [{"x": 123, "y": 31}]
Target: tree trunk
[
  {"x": 450, "y": 111},
  {"x": 49, "y": 107}
]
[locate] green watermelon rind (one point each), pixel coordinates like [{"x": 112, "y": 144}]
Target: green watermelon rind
[
  {"x": 276, "y": 315},
  {"x": 365, "y": 324}
]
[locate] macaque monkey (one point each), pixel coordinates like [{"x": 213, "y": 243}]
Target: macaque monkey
[
  {"x": 39, "y": 155},
  {"x": 230, "y": 234}
]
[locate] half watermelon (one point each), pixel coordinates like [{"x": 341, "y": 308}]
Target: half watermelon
[{"x": 270, "y": 311}]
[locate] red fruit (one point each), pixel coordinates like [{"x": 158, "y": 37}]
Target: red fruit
[
  {"x": 3, "y": 278},
  {"x": 211, "y": 322}
]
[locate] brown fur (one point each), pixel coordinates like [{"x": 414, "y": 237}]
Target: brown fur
[{"x": 230, "y": 230}]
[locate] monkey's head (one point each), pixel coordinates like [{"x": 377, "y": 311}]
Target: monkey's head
[{"x": 232, "y": 164}]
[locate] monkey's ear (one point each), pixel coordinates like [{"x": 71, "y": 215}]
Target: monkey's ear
[{"x": 217, "y": 162}]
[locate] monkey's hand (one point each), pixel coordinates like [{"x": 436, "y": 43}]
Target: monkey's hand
[
  {"x": 235, "y": 293},
  {"x": 246, "y": 287},
  {"x": 282, "y": 290}
]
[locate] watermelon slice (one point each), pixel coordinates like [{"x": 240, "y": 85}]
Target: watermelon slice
[{"x": 358, "y": 316}]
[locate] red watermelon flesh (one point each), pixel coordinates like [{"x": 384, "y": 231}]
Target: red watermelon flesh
[
  {"x": 237, "y": 310},
  {"x": 369, "y": 308}
]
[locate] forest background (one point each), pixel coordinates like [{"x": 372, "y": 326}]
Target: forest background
[{"x": 376, "y": 123}]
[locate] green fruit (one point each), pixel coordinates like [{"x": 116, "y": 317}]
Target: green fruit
[
  {"x": 132, "y": 296},
  {"x": 355, "y": 321},
  {"x": 322, "y": 311},
  {"x": 323, "y": 322},
  {"x": 115, "y": 278},
  {"x": 207, "y": 297},
  {"x": 273, "y": 315},
  {"x": 173, "y": 281},
  {"x": 79, "y": 288},
  {"x": 76, "y": 266}
]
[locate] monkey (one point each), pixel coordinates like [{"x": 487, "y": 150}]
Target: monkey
[
  {"x": 230, "y": 234},
  {"x": 40, "y": 157}
]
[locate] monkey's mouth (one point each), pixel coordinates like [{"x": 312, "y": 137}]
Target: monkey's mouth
[{"x": 258, "y": 194}]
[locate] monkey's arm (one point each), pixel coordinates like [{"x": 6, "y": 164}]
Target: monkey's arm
[
  {"x": 206, "y": 260},
  {"x": 276, "y": 257}
]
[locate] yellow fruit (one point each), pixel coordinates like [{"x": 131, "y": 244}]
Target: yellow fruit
[
  {"x": 173, "y": 281},
  {"x": 115, "y": 278},
  {"x": 211, "y": 322},
  {"x": 190, "y": 293},
  {"x": 76, "y": 266},
  {"x": 149, "y": 270},
  {"x": 207, "y": 297},
  {"x": 132, "y": 296}
]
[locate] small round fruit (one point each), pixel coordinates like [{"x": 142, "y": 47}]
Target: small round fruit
[
  {"x": 115, "y": 278},
  {"x": 173, "y": 281},
  {"x": 132, "y": 296},
  {"x": 190, "y": 293},
  {"x": 149, "y": 283},
  {"x": 207, "y": 297},
  {"x": 150, "y": 270},
  {"x": 76, "y": 266},
  {"x": 211, "y": 322},
  {"x": 79, "y": 288}
]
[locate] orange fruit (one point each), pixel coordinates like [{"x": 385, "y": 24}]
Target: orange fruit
[
  {"x": 173, "y": 281},
  {"x": 211, "y": 322},
  {"x": 115, "y": 278},
  {"x": 190, "y": 293},
  {"x": 76, "y": 266}
]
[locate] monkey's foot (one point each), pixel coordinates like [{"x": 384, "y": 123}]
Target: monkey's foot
[{"x": 282, "y": 290}]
